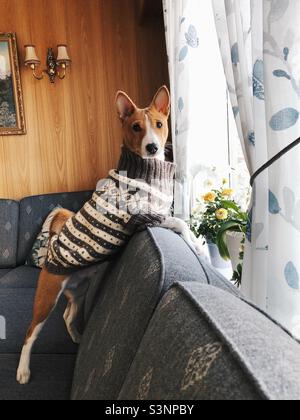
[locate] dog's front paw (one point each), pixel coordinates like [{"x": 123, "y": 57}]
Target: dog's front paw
[
  {"x": 23, "y": 376},
  {"x": 200, "y": 251}
]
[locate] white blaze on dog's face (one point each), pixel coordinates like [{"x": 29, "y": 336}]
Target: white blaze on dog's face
[{"x": 145, "y": 130}]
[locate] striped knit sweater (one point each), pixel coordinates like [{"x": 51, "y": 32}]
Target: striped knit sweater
[{"x": 138, "y": 194}]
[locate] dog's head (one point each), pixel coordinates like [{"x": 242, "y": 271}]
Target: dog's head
[{"x": 145, "y": 130}]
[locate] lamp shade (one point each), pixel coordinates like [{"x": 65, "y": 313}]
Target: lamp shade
[
  {"x": 62, "y": 55},
  {"x": 30, "y": 55}
]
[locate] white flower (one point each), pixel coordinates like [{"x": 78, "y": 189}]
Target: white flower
[{"x": 208, "y": 183}]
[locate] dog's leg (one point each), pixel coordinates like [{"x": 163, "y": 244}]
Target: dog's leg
[
  {"x": 50, "y": 287},
  {"x": 181, "y": 227},
  {"x": 67, "y": 312},
  {"x": 70, "y": 316},
  {"x": 49, "y": 290}
]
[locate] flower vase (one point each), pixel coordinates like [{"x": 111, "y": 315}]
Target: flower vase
[
  {"x": 216, "y": 260},
  {"x": 234, "y": 242}
]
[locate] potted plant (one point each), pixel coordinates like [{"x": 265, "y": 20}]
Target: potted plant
[{"x": 221, "y": 221}]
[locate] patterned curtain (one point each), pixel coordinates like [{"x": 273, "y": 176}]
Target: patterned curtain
[
  {"x": 180, "y": 42},
  {"x": 195, "y": 85},
  {"x": 260, "y": 46}
]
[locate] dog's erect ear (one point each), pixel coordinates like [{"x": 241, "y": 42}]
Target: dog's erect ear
[
  {"x": 125, "y": 105},
  {"x": 162, "y": 101}
]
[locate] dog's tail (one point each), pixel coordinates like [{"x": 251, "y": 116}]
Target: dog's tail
[{"x": 60, "y": 218}]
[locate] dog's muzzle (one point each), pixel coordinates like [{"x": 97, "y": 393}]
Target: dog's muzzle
[{"x": 152, "y": 148}]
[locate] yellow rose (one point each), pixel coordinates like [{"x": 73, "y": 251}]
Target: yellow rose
[
  {"x": 210, "y": 197},
  {"x": 227, "y": 192},
  {"x": 225, "y": 181},
  {"x": 222, "y": 214}
]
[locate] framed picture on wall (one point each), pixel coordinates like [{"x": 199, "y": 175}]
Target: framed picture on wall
[{"x": 12, "y": 120}]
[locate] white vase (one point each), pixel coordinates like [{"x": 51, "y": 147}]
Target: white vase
[
  {"x": 234, "y": 242},
  {"x": 216, "y": 260}
]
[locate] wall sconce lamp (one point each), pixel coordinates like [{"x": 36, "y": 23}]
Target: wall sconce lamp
[{"x": 56, "y": 67}]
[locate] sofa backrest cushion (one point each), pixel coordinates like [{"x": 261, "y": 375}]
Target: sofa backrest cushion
[
  {"x": 9, "y": 222},
  {"x": 127, "y": 299},
  {"x": 34, "y": 211},
  {"x": 205, "y": 344},
  {"x": 181, "y": 263}
]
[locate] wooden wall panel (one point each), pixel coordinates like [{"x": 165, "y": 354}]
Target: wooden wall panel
[{"x": 73, "y": 135}]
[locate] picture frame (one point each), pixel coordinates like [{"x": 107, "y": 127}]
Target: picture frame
[{"x": 12, "y": 118}]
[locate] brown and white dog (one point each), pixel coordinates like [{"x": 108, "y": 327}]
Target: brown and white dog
[{"x": 145, "y": 132}]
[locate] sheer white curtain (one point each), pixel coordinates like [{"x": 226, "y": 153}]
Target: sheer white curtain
[
  {"x": 260, "y": 46},
  {"x": 198, "y": 94},
  {"x": 174, "y": 12}
]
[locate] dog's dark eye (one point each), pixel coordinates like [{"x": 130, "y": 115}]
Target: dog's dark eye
[
  {"x": 137, "y": 128},
  {"x": 159, "y": 124}
]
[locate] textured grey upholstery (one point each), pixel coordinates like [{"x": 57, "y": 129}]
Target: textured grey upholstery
[
  {"x": 205, "y": 344},
  {"x": 21, "y": 277},
  {"x": 9, "y": 222},
  {"x": 128, "y": 297},
  {"x": 4, "y": 271},
  {"x": 51, "y": 379}
]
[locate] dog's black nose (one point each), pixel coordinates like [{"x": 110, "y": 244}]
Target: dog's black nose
[{"x": 152, "y": 148}]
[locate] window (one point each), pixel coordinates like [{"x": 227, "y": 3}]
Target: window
[{"x": 219, "y": 152}]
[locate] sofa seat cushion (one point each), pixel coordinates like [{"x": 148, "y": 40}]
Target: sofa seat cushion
[
  {"x": 51, "y": 378},
  {"x": 9, "y": 222},
  {"x": 20, "y": 278},
  {"x": 125, "y": 302},
  {"x": 205, "y": 344},
  {"x": 4, "y": 271},
  {"x": 16, "y": 306},
  {"x": 34, "y": 211}
]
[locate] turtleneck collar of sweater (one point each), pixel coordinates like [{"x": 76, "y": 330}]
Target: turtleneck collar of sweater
[{"x": 147, "y": 170}]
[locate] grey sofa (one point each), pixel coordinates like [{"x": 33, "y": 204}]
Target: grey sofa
[{"x": 159, "y": 324}]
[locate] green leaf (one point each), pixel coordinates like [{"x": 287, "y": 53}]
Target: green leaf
[
  {"x": 223, "y": 248},
  {"x": 231, "y": 205},
  {"x": 221, "y": 237},
  {"x": 231, "y": 225},
  {"x": 226, "y": 204},
  {"x": 237, "y": 275}
]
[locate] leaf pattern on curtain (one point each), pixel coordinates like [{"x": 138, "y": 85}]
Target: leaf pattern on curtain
[
  {"x": 260, "y": 47},
  {"x": 292, "y": 276},
  {"x": 258, "y": 80},
  {"x": 284, "y": 119}
]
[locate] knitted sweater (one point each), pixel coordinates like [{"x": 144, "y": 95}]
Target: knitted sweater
[{"x": 139, "y": 193}]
